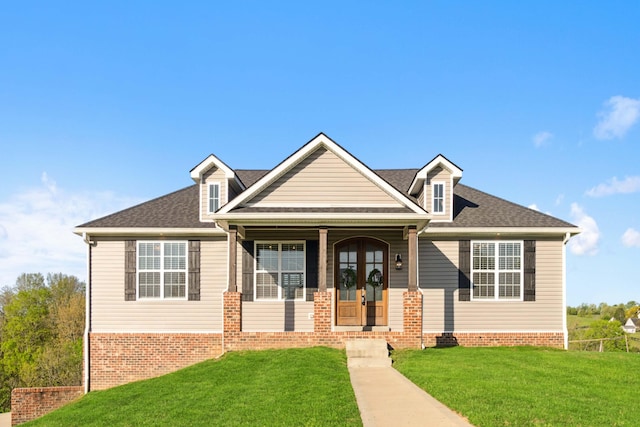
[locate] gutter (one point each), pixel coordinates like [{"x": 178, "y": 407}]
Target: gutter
[{"x": 564, "y": 289}]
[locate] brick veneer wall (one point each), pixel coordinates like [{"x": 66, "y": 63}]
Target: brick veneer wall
[
  {"x": 30, "y": 403},
  {"x": 119, "y": 358},
  {"x": 495, "y": 339}
]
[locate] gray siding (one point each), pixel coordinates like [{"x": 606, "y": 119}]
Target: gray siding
[
  {"x": 111, "y": 313},
  {"x": 323, "y": 178},
  {"x": 278, "y": 316},
  {"x": 444, "y": 313}
]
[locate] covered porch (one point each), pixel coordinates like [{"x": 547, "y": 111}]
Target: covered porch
[{"x": 356, "y": 281}]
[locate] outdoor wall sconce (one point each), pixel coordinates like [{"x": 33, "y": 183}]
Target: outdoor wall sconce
[{"x": 398, "y": 262}]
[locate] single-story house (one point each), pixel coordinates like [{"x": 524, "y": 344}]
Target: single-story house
[{"x": 315, "y": 251}]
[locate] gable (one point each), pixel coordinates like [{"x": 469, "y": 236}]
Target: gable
[{"x": 323, "y": 179}]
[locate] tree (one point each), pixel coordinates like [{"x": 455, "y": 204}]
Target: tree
[
  {"x": 632, "y": 312},
  {"x": 41, "y": 331},
  {"x": 607, "y": 329}
]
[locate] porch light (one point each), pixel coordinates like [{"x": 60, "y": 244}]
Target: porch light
[{"x": 398, "y": 262}]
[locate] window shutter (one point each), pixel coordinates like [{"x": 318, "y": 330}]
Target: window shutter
[
  {"x": 130, "y": 263},
  {"x": 194, "y": 270},
  {"x": 464, "y": 270},
  {"x": 529, "y": 270},
  {"x": 247, "y": 270},
  {"x": 311, "y": 275}
]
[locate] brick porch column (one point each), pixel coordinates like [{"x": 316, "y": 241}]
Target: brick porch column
[
  {"x": 232, "y": 318},
  {"x": 322, "y": 312},
  {"x": 412, "y": 318}
]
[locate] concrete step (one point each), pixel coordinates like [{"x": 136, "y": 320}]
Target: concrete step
[{"x": 367, "y": 353}]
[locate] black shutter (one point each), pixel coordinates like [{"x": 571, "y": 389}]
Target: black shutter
[
  {"x": 247, "y": 270},
  {"x": 194, "y": 270},
  {"x": 311, "y": 275},
  {"x": 529, "y": 270},
  {"x": 464, "y": 270},
  {"x": 130, "y": 262}
]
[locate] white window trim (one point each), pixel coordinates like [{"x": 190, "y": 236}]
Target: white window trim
[
  {"x": 209, "y": 185},
  {"x": 162, "y": 270},
  {"x": 433, "y": 197},
  {"x": 496, "y": 271},
  {"x": 256, "y": 271}
]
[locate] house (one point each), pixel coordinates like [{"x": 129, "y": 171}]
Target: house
[
  {"x": 315, "y": 251},
  {"x": 632, "y": 325}
]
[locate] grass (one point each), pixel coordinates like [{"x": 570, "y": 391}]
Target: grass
[
  {"x": 577, "y": 322},
  {"x": 301, "y": 387},
  {"x": 529, "y": 386}
]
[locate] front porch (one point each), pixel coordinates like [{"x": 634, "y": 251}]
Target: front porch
[
  {"x": 324, "y": 333},
  {"x": 351, "y": 287}
]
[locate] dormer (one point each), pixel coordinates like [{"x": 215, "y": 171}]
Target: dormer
[
  {"x": 433, "y": 187},
  {"x": 218, "y": 183}
]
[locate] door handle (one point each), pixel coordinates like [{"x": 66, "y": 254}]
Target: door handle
[{"x": 363, "y": 298}]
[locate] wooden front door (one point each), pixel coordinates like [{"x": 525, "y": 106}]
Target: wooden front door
[{"x": 361, "y": 282}]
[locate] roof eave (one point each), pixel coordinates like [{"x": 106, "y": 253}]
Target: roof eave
[
  {"x": 319, "y": 219},
  {"x": 501, "y": 231},
  {"x": 148, "y": 231}
]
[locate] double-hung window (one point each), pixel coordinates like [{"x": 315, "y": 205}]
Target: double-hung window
[
  {"x": 496, "y": 270},
  {"x": 214, "y": 197},
  {"x": 280, "y": 270},
  {"x": 162, "y": 270},
  {"x": 438, "y": 197}
]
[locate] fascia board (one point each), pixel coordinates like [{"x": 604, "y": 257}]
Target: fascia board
[
  {"x": 197, "y": 172},
  {"x": 501, "y": 231},
  {"x": 295, "y": 158},
  {"x": 150, "y": 231},
  {"x": 323, "y": 219},
  {"x": 421, "y": 175}
]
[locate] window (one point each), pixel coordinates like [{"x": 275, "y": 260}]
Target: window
[
  {"x": 214, "y": 197},
  {"x": 280, "y": 270},
  {"x": 162, "y": 270},
  {"x": 438, "y": 197},
  {"x": 496, "y": 270}
]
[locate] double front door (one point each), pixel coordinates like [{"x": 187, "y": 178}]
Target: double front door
[{"x": 361, "y": 282}]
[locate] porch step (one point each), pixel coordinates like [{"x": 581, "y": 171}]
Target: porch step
[{"x": 370, "y": 353}]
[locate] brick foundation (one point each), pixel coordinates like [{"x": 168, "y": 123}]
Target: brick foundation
[
  {"x": 495, "y": 339},
  {"x": 30, "y": 403},
  {"x": 122, "y": 358}
]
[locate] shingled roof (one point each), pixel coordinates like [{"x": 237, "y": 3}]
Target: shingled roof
[
  {"x": 175, "y": 210},
  {"x": 472, "y": 208}
]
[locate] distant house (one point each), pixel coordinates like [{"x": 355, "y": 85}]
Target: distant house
[
  {"x": 632, "y": 325},
  {"x": 316, "y": 251}
]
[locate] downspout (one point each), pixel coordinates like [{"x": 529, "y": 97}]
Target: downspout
[
  {"x": 422, "y": 346},
  {"x": 87, "y": 319},
  {"x": 567, "y": 236}
]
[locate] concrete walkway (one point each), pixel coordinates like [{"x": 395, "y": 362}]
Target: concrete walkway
[
  {"x": 5, "y": 419},
  {"x": 387, "y": 398}
]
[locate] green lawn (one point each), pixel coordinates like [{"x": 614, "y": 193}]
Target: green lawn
[
  {"x": 295, "y": 387},
  {"x": 521, "y": 386},
  {"x": 529, "y": 386}
]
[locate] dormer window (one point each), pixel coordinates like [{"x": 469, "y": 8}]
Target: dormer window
[
  {"x": 438, "y": 198},
  {"x": 214, "y": 197}
]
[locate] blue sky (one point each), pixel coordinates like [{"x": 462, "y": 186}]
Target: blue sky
[{"x": 106, "y": 105}]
